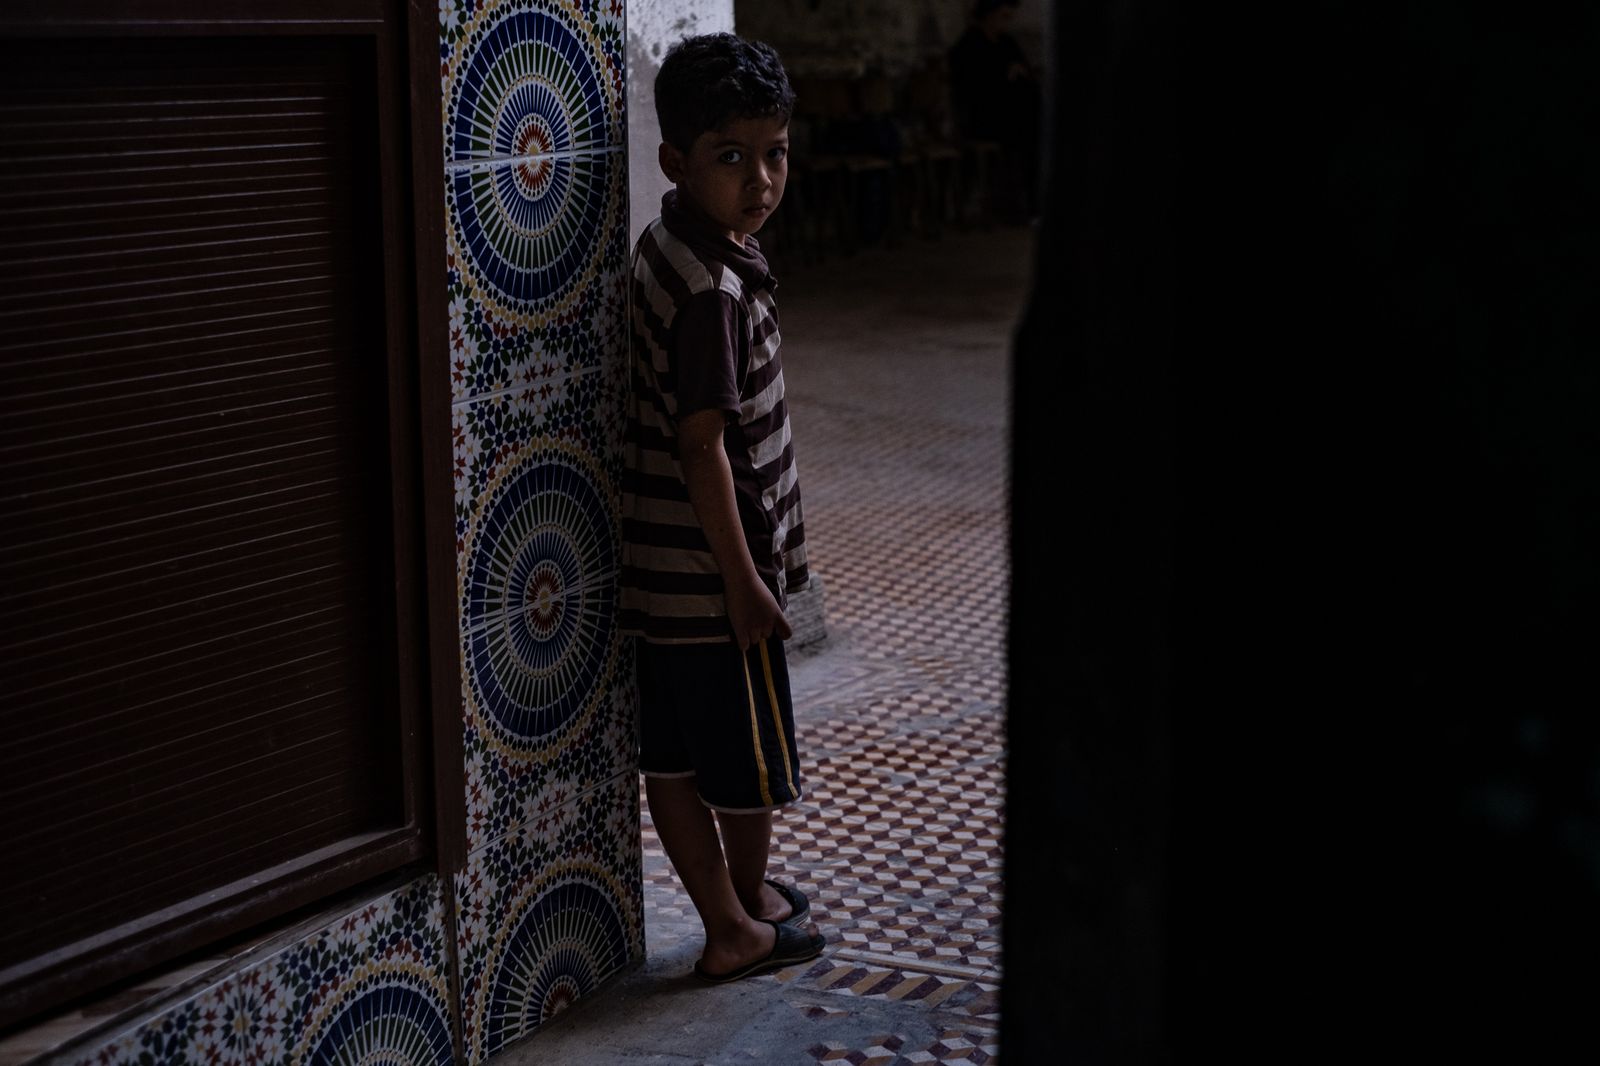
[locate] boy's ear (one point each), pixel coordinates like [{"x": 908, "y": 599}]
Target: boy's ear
[{"x": 671, "y": 161}]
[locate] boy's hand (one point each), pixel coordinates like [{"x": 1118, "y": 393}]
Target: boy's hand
[{"x": 754, "y": 614}]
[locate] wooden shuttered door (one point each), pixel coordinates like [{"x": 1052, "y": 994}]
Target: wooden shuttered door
[{"x": 207, "y": 609}]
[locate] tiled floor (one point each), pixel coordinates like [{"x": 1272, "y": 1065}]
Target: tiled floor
[{"x": 897, "y": 373}]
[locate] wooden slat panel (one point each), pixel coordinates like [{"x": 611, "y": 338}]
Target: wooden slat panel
[
  {"x": 167, "y": 17},
  {"x": 198, "y": 714},
  {"x": 196, "y": 589},
  {"x": 124, "y": 527}
]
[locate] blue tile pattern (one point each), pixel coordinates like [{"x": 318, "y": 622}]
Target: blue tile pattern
[
  {"x": 536, "y": 264},
  {"x": 545, "y": 715},
  {"x": 511, "y": 327},
  {"x": 369, "y": 987},
  {"x": 385, "y": 1019},
  {"x": 494, "y": 433},
  {"x": 526, "y": 84},
  {"x": 529, "y": 234},
  {"x": 530, "y": 77},
  {"x": 539, "y": 606},
  {"x": 547, "y": 913},
  {"x": 506, "y": 791},
  {"x": 568, "y": 935}
]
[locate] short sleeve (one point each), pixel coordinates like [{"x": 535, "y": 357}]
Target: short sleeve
[{"x": 707, "y": 336}]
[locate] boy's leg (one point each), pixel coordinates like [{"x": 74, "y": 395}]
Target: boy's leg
[
  {"x": 689, "y": 835},
  {"x": 746, "y": 841},
  {"x": 747, "y": 835},
  {"x": 717, "y": 704}
]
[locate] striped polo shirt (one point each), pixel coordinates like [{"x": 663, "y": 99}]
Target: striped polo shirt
[{"x": 705, "y": 336}]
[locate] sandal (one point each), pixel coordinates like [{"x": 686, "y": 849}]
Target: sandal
[
  {"x": 799, "y": 906},
  {"x": 790, "y": 946}
]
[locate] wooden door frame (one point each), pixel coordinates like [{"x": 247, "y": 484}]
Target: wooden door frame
[{"x": 427, "y": 680}]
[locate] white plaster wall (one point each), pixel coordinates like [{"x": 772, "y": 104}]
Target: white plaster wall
[{"x": 653, "y": 27}]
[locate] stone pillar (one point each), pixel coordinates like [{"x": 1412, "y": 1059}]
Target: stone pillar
[{"x": 549, "y": 905}]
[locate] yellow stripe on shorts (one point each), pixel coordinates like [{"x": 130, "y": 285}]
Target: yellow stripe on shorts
[
  {"x": 755, "y": 730},
  {"x": 777, "y": 723}
]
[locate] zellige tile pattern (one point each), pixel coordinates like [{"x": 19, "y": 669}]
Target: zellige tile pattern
[
  {"x": 540, "y": 652},
  {"x": 547, "y": 913},
  {"x": 530, "y": 77},
  {"x": 535, "y": 190},
  {"x": 536, "y": 256},
  {"x": 369, "y": 987}
]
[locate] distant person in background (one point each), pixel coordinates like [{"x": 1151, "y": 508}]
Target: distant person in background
[{"x": 996, "y": 98}]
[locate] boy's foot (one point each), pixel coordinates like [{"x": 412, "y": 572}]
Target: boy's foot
[
  {"x": 780, "y": 903},
  {"x": 790, "y": 945}
]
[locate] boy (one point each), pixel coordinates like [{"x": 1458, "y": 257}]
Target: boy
[{"x": 712, "y": 536}]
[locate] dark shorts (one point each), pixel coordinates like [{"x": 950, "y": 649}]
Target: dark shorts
[{"x": 725, "y": 719}]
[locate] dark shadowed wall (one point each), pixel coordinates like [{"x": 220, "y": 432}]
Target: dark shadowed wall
[{"x": 1302, "y": 733}]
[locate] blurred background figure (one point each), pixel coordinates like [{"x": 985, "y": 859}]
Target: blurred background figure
[{"x": 996, "y": 98}]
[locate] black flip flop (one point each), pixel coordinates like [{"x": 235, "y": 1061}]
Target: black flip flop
[
  {"x": 791, "y": 945},
  {"x": 799, "y": 906}
]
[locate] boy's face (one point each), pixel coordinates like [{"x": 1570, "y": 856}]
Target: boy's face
[{"x": 735, "y": 174}]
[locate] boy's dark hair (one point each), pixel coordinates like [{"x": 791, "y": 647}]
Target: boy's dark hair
[{"x": 708, "y": 81}]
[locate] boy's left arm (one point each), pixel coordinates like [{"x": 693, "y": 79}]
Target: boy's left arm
[{"x": 753, "y": 611}]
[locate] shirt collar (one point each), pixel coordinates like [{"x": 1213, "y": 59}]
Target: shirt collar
[{"x": 696, "y": 229}]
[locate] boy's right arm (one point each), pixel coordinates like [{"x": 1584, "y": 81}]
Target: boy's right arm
[{"x": 752, "y": 609}]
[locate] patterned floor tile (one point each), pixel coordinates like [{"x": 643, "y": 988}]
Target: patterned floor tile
[
  {"x": 817, "y": 1011},
  {"x": 978, "y": 998},
  {"x": 915, "y": 933},
  {"x": 954, "y": 1045},
  {"x": 946, "y": 825},
  {"x": 880, "y": 1051},
  {"x": 914, "y": 756}
]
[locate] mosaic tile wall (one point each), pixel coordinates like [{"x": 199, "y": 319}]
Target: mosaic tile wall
[
  {"x": 550, "y": 904},
  {"x": 369, "y": 987},
  {"x": 536, "y": 245}
]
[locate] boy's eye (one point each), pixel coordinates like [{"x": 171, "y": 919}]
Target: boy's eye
[
  {"x": 732, "y": 155},
  {"x": 777, "y": 154}
]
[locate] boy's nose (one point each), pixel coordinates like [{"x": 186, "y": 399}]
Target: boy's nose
[{"x": 759, "y": 179}]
